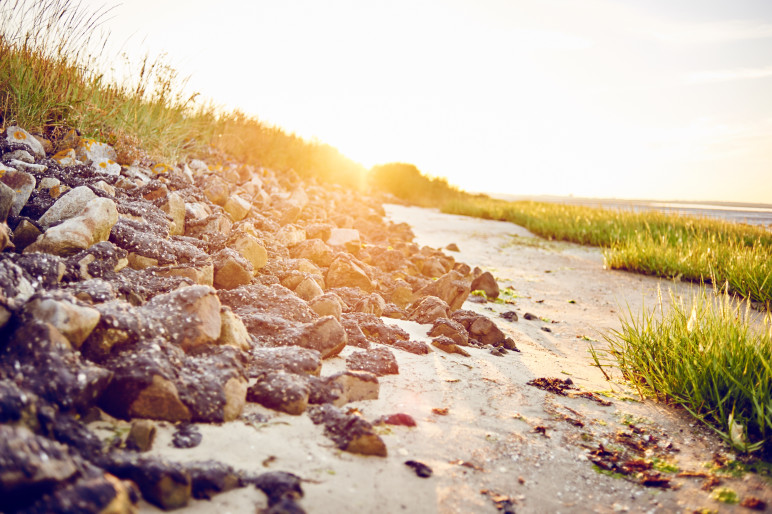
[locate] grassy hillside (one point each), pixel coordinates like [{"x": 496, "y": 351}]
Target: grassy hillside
[{"x": 49, "y": 81}]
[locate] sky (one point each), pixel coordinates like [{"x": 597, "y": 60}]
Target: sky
[{"x": 646, "y": 99}]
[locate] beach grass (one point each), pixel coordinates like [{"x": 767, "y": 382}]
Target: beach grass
[
  {"x": 668, "y": 245},
  {"x": 52, "y": 57},
  {"x": 713, "y": 357}
]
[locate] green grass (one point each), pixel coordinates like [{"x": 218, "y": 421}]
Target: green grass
[
  {"x": 667, "y": 245},
  {"x": 713, "y": 358},
  {"x": 51, "y": 79}
]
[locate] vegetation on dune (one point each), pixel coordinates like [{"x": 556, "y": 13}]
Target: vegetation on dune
[
  {"x": 50, "y": 80},
  {"x": 710, "y": 358},
  {"x": 407, "y": 183}
]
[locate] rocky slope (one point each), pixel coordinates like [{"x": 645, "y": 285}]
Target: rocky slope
[{"x": 179, "y": 293}]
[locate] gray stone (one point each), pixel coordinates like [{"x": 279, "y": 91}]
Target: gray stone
[
  {"x": 67, "y": 206},
  {"x": 16, "y": 134}
]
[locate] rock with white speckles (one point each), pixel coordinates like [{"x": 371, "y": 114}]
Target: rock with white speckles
[
  {"x": 280, "y": 391},
  {"x": 191, "y": 316},
  {"x": 90, "y": 226}
]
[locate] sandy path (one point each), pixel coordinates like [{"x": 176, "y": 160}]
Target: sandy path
[{"x": 487, "y": 441}]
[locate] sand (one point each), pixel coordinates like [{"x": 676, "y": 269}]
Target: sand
[{"x": 487, "y": 447}]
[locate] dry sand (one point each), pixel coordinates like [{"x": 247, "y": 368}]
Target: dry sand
[{"x": 486, "y": 447}]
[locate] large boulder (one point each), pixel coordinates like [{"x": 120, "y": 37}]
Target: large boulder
[{"x": 92, "y": 225}]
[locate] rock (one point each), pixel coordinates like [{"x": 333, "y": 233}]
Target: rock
[
  {"x": 92, "y": 151},
  {"x": 106, "y": 167},
  {"x": 373, "y": 304},
  {"x": 278, "y": 486},
  {"x": 17, "y": 406},
  {"x": 509, "y": 315},
  {"x": 530, "y": 317},
  {"x": 354, "y": 386},
  {"x": 191, "y": 316},
  {"x": 90, "y": 226},
  {"x": 5, "y": 237},
  {"x": 280, "y": 391},
  {"x": 130, "y": 396},
  {"x": 428, "y": 309},
  {"x": 449, "y": 328},
  {"x": 232, "y": 331},
  {"x": 328, "y": 304},
  {"x": 347, "y": 237},
  {"x": 308, "y": 289},
  {"x": 237, "y": 208},
  {"x": 18, "y": 135},
  {"x": 379, "y": 361},
  {"x": 486, "y": 283},
  {"x": 291, "y": 359},
  {"x": 15, "y": 289},
  {"x": 96, "y": 492},
  {"x": 174, "y": 206},
  {"x": 447, "y": 345},
  {"x": 201, "y": 274},
  {"x": 231, "y": 270},
  {"x": 141, "y": 435},
  {"x": 66, "y": 158},
  {"x": 213, "y": 227},
  {"x": 67, "y": 206},
  {"x": 137, "y": 261},
  {"x": 421, "y": 469},
  {"x": 187, "y": 435},
  {"x": 161, "y": 483},
  {"x": 326, "y": 335},
  {"x": 209, "y": 478},
  {"x": 399, "y": 419},
  {"x": 255, "y": 299},
  {"x": 452, "y": 247},
  {"x": 346, "y": 272},
  {"x": 25, "y": 234},
  {"x": 73, "y": 320},
  {"x": 22, "y": 184},
  {"x": 217, "y": 190},
  {"x": 349, "y": 432},
  {"x": 314, "y": 250},
  {"x": 480, "y": 328},
  {"x": 7, "y": 197},
  {"x": 69, "y": 381},
  {"x": 451, "y": 288},
  {"x": 416, "y": 347},
  {"x": 318, "y": 231},
  {"x": 251, "y": 249},
  {"x": 290, "y": 235}
]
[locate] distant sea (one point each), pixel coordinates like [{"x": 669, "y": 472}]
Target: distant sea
[{"x": 750, "y": 213}]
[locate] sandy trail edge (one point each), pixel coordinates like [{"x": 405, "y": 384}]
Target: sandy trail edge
[{"x": 492, "y": 412}]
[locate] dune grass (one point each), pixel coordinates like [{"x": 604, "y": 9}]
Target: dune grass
[
  {"x": 710, "y": 357},
  {"x": 51, "y": 57},
  {"x": 668, "y": 245}
]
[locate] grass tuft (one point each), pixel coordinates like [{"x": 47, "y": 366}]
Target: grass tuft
[{"x": 713, "y": 358}]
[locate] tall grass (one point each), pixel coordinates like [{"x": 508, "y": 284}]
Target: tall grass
[
  {"x": 668, "y": 245},
  {"x": 51, "y": 62},
  {"x": 712, "y": 358}
]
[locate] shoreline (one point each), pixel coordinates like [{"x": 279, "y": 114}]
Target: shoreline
[{"x": 489, "y": 445}]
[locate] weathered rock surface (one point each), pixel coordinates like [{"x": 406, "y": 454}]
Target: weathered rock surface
[
  {"x": 349, "y": 432},
  {"x": 379, "y": 361}
]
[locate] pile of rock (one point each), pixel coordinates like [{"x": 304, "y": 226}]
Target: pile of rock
[{"x": 179, "y": 293}]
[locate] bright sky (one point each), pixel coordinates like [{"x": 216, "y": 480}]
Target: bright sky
[{"x": 657, "y": 99}]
